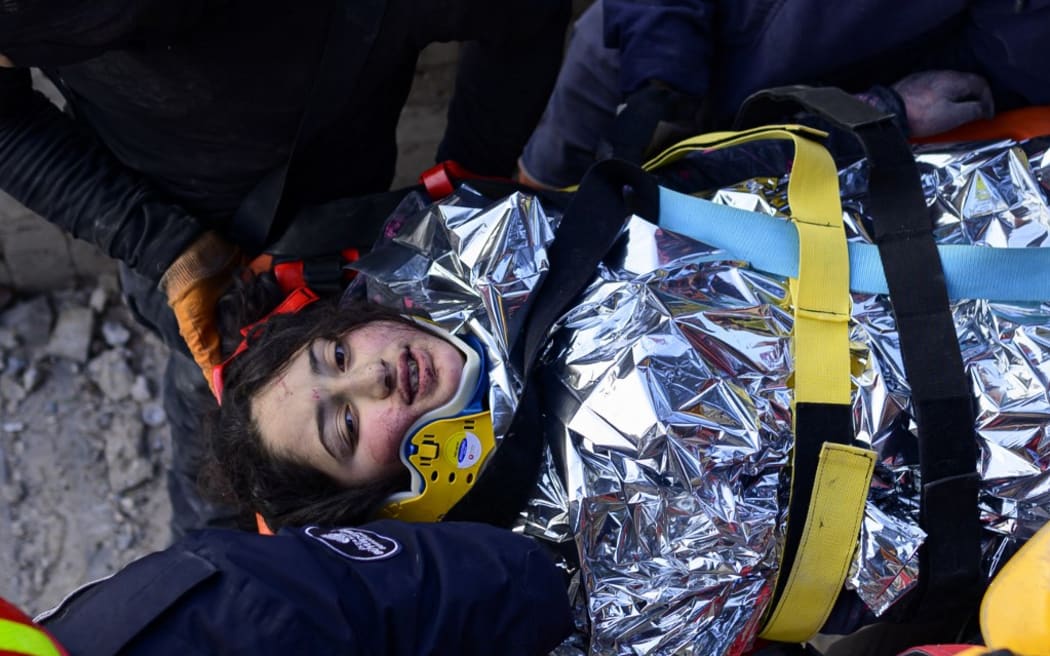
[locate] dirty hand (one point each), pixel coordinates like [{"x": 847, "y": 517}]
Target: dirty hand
[
  {"x": 937, "y": 101},
  {"x": 193, "y": 284}
]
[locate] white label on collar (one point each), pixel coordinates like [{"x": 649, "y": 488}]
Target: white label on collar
[{"x": 355, "y": 543}]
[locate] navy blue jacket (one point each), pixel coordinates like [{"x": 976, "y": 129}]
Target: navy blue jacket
[
  {"x": 384, "y": 588},
  {"x": 723, "y": 51}
]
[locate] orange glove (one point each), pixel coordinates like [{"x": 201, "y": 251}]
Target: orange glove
[{"x": 193, "y": 284}]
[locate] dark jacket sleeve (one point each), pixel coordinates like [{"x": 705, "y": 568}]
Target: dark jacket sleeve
[
  {"x": 54, "y": 170},
  {"x": 666, "y": 40},
  {"x": 383, "y": 588},
  {"x": 507, "y": 68}
]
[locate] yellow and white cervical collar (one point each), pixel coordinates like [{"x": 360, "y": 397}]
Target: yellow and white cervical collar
[{"x": 445, "y": 449}]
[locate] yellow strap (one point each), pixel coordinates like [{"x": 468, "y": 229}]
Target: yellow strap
[
  {"x": 709, "y": 141},
  {"x": 828, "y": 542},
  {"x": 24, "y": 639},
  {"x": 822, "y": 375},
  {"x": 821, "y": 291}
]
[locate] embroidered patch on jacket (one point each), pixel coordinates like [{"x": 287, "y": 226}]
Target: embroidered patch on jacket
[{"x": 355, "y": 543}]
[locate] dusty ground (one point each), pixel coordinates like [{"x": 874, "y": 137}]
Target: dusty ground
[
  {"x": 83, "y": 443},
  {"x": 83, "y": 439}
]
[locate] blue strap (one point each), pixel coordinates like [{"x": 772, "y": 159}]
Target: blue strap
[{"x": 770, "y": 244}]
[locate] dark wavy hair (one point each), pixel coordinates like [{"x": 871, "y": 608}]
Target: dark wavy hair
[{"x": 239, "y": 471}]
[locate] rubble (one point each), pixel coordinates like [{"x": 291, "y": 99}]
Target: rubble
[
  {"x": 110, "y": 371},
  {"x": 82, "y": 464},
  {"x": 115, "y": 334},
  {"x": 71, "y": 337},
  {"x": 31, "y": 320}
]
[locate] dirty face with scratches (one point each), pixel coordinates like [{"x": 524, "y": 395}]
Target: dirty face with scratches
[{"x": 343, "y": 406}]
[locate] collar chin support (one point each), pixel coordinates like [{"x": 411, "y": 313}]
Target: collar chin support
[{"x": 446, "y": 448}]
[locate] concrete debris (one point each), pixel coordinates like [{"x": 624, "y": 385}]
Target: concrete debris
[
  {"x": 31, "y": 378},
  {"x": 115, "y": 334},
  {"x": 80, "y": 432},
  {"x": 12, "y": 492},
  {"x": 31, "y": 320},
  {"x": 140, "y": 390},
  {"x": 8, "y": 339},
  {"x": 11, "y": 390},
  {"x": 153, "y": 415},
  {"x": 110, "y": 371},
  {"x": 71, "y": 337},
  {"x": 14, "y": 365},
  {"x": 125, "y": 453},
  {"x": 97, "y": 301}
]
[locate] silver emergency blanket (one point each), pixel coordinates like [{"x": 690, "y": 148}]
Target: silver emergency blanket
[{"x": 673, "y": 416}]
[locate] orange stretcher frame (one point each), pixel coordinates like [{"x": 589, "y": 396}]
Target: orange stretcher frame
[{"x": 1015, "y": 124}]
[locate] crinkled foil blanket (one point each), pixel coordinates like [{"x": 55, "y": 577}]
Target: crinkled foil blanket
[{"x": 674, "y": 406}]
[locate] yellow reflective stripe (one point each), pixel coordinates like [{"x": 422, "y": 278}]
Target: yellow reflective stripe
[
  {"x": 828, "y": 542},
  {"x": 24, "y": 639}
]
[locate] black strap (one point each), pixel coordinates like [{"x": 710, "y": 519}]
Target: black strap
[
  {"x": 610, "y": 192},
  {"x": 951, "y": 578},
  {"x": 352, "y": 29}
]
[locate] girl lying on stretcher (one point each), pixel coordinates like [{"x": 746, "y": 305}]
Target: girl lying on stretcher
[{"x": 667, "y": 409}]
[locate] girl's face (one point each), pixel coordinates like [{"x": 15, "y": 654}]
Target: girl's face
[{"x": 343, "y": 406}]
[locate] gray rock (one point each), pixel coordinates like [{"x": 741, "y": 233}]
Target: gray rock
[
  {"x": 125, "y": 537},
  {"x": 71, "y": 337},
  {"x": 8, "y": 339},
  {"x": 153, "y": 415},
  {"x": 140, "y": 390},
  {"x": 31, "y": 378},
  {"x": 13, "y": 492},
  {"x": 127, "y": 506},
  {"x": 11, "y": 391},
  {"x": 126, "y": 461},
  {"x": 98, "y": 300},
  {"x": 30, "y": 320},
  {"x": 115, "y": 334},
  {"x": 110, "y": 371},
  {"x": 14, "y": 365}
]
